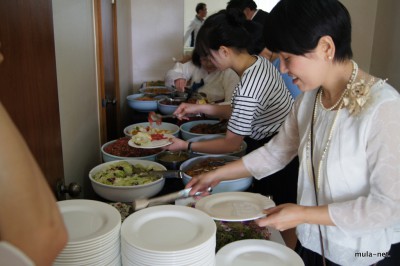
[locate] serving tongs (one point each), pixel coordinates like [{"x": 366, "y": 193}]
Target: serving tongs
[
  {"x": 144, "y": 203},
  {"x": 161, "y": 173}
]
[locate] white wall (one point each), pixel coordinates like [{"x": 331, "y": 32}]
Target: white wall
[
  {"x": 124, "y": 32},
  {"x": 77, "y": 88},
  {"x": 385, "y": 61},
  {"x": 156, "y": 38},
  {"x": 363, "y": 16}
]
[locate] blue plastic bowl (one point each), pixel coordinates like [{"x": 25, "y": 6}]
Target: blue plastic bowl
[
  {"x": 185, "y": 128},
  {"x": 140, "y": 105},
  {"x": 241, "y": 184}
]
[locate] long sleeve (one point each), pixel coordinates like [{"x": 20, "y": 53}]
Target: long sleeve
[
  {"x": 179, "y": 71},
  {"x": 380, "y": 207}
]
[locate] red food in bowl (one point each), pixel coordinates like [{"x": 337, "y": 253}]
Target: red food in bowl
[{"x": 121, "y": 148}]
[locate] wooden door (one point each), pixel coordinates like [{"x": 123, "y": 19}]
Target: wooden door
[
  {"x": 28, "y": 82},
  {"x": 108, "y": 69}
]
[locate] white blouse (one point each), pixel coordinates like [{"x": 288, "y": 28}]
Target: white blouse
[
  {"x": 360, "y": 177},
  {"x": 218, "y": 85}
]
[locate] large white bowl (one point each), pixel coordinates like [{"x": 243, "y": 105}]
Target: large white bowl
[
  {"x": 185, "y": 128},
  {"x": 164, "y": 125},
  {"x": 127, "y": 193},
  {"x": 107, "y": 157},
  {"x": 142, "y": 106},
  {"x": 241, "y": 152},
  {"x": 241, "y": 184}
]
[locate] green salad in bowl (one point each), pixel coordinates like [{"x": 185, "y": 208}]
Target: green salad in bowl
[
  {"x": 127, "y": 180},
  {"x": 126, "y": 174}
]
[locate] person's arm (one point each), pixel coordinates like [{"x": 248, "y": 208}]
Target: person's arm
[
  {"x": 286, "y": 216},
  {"x": 230, "y": 143},
  {"x": 180, "y": 72},
  {"x": 230, "y": 171},
  {"x": 29, "y": 216},
  {"x": 220, "y": 111}
]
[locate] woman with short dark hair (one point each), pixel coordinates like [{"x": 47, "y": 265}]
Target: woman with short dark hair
[{"x": 345, "y": 129}]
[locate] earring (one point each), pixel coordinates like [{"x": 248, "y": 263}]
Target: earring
[{"x": 330, "y": 57}]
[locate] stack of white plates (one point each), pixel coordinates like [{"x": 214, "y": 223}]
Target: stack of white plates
[
  {"x": 94, "y": 234},
  {"x": 168, "y": 235}
]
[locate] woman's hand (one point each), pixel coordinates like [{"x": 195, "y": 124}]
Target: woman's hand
[
  {"x": 180, "y": 84},
  {"x": 177, "y": 145},
  {"x": 186, "y": 108},
  {"x": 282, "y": 217},
  {"x": 202, "y": 182},
  {"x": 290, "y": 215}
]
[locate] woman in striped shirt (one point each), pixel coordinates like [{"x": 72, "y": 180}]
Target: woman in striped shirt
[{"x": 260, "y": 101}]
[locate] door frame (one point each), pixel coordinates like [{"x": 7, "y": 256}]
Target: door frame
[{"x": 108, "y": 71}]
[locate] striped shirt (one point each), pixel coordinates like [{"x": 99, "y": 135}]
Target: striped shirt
[{"x": 260, "y": 101}]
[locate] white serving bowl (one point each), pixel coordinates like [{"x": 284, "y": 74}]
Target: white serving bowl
[
  {"x": 108, "y": 157},
  {"x": 127, "y": 193},
  {"x": 185, "y": 128},
  {"x": 164, "y": 125},
  {"x": 241, "y": 184},
  {"x": 140, "y": 105},
  {"x": 241, "y": 152}
]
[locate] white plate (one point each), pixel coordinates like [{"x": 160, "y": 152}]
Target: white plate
[
  {"x": 257, "y": 252},
  {"x": 235, "y": 206},
  {"x": 167, "y": 228},
  {"x": 153, "y": 144},
  {"x": 88, "y": 220}
]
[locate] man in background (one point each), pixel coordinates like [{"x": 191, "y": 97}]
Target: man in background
[
  {"x": 195, "y": 24},
  {"x": 249, "y": 8}
]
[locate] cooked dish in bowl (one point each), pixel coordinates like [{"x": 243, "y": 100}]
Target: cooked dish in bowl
[
  {"x": 125, "y": 174},
  {"x": 119, "y": 190},
  {"x": 206, "y": 165},
  {"x": 157, "y": 90},
  {"x": 121, "y": 148},
  {"x": 202, "y": 164},
  {"x": 207, "y": 129}
]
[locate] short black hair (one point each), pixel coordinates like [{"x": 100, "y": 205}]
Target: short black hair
[
  {"x": 295, "y": 26},
  {"x": 229, "y": 28},
  {"x": 200, "y": 6},
  {"x": 242, "y": 4}
]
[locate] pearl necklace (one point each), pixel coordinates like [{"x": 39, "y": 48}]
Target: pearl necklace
[
  {"x": 348, "y": 86},
  {"x": 309, "y": 147},
  {"x": 310, "y": 141}
]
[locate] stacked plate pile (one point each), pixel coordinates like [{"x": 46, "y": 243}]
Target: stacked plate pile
[
  {"x": 168, "y": 235},
  {"x": 94, "y": 234}
]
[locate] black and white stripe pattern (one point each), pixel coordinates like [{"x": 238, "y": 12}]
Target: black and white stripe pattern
[{"x": 260, "y": 102}]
